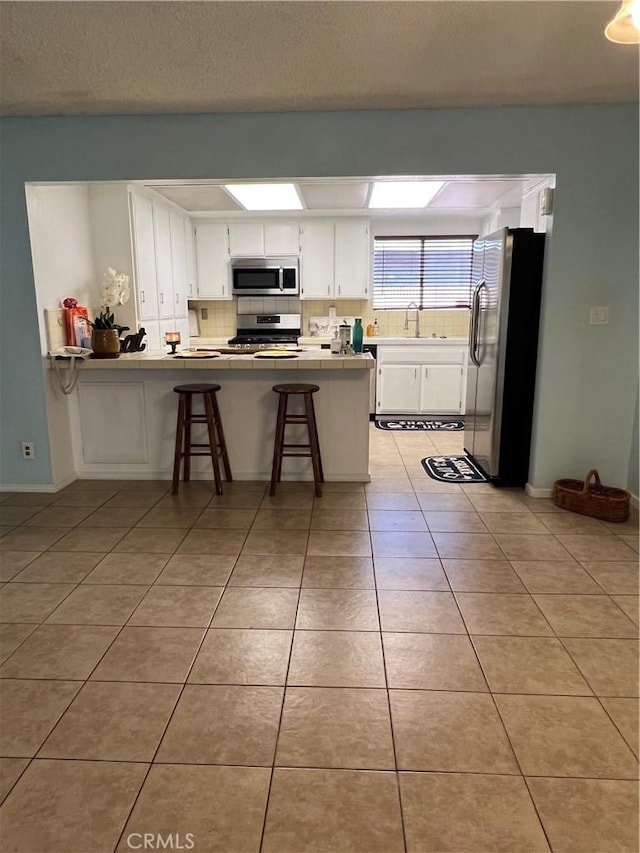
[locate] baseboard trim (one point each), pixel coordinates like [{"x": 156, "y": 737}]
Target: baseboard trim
[
  {"x": 255, "y": 476},
  {"x": 44, "y": 488},
  {"x": 533, "y": 492}
]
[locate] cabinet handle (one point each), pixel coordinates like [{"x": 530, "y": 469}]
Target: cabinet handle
[
  {"x": 329, "y": 289},
  {"x": 142, "y": 296},
  {"x": 339, "y": 289},
  {"x": 415, "y": 372},
  {"x": 161, "y": 298},
  {"x": 177, "y": 298},
  {"x": 426, "y": 372}
]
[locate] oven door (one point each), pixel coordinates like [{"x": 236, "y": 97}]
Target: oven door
[{"x": 265, "y": 277}]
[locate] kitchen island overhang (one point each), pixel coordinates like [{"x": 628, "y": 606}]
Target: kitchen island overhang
[{"x": 123, "y": 413}]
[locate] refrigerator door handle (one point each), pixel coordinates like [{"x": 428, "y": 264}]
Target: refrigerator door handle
[{"x": 475, "y": 323}]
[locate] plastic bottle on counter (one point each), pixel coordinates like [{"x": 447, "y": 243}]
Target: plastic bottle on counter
[
  {"x": 376, "y": 327},
  {"x": 370, "y": 330},
  {"x": 356, "y": 338}
]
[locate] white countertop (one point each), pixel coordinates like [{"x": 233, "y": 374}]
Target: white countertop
[
  {"x": 389, "y": 341},
  {"x": 312, "y": 359}
]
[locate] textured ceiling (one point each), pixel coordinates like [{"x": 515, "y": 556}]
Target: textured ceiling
[{"x": 184, "y": 57}]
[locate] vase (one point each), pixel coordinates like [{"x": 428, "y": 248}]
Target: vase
[{"x": 105, "y": 343}]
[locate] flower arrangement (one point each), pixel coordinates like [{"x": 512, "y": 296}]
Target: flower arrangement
[{"x": 115, "y": 291}]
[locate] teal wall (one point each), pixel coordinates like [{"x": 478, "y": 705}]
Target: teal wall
[{"x": 587, "y": 375}]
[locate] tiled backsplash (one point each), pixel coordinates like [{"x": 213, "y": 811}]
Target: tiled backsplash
[
  {"x": 221, "y": 320},
  {"x": 453, "y": 324}
]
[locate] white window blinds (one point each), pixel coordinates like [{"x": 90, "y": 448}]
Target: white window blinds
[{"x": 434, "y": 272}]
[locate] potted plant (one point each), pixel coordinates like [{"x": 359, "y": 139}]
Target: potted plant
[{"x": 105, "y": 335}]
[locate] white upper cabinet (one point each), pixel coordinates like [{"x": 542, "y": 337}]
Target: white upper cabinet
[
  {"x": 352, "y": 259},
  {"x": 178, "y": 263},
  {"x": 164, "y": 267},
  {"x": 259, "y": 240},
  {"x": 190, "y": 247},
  {"x": 145, "y": 257},
  {"x": 316, "y": 260},
  {"x": 335, "y": 259},
  {"x": 246, "y": 240},
  {"x": 281, "y": 239},
  {"x": 212, "y": 261}
]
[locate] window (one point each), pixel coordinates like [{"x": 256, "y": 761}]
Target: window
[{"x": 433, "y": 272}]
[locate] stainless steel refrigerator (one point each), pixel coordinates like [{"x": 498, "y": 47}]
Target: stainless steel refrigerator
[{"x": 503, "y": 345}]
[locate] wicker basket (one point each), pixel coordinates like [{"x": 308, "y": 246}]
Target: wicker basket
[{"x": 604, "y": 502}]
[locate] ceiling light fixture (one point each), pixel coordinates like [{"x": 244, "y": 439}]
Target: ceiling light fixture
[
  {"x": 266, "y": 196},
  {"x": 395, "y": 194},
  {"x": 624, "y": 28}
]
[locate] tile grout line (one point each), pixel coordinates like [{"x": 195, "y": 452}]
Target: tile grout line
[
  {"x": 284, "y": 693},
  {"x": 388, "y": 695},
  {"x": 183, "y": 686}
]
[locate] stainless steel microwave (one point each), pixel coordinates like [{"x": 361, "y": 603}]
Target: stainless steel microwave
[{"x": 265, "y": 276}]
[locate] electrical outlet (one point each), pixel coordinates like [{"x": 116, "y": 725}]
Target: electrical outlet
[
  {"x": 28, "y": 450},
  {"x": 599, "y": 316},
  {"x": 204, "y": 313}
]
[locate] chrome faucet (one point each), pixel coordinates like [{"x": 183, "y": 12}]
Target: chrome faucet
[{"x": 416, "y": 320}]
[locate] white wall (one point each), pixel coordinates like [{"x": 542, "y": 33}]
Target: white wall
[
  {"x": 426, "y": 226},
  {"x": 109, "y": 225},
  {"x": 63, "y": 266},
  {"x": 60, "y": 248}
]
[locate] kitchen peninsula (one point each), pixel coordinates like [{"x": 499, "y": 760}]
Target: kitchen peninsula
[{"x": 123, "y": 414}]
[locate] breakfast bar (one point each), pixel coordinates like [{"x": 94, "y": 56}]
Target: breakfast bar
[{"x": 123, "y": 413}]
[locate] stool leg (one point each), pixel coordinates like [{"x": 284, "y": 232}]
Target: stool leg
[
  {"x": 276, "y": 470},
  {"x": 178, "y": 450},
  {"x": 221, "y": 442},
  {"x": 316, "y": 439},
  {"x": 208, "y": 407},
  {"x": 313, "y": 445},
  {"x": 187, "y": 439}
]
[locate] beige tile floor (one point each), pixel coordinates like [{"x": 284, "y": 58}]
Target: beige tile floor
[{"x": 399, "y": 666}]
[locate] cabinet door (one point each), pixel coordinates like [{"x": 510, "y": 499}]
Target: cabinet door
[
  {"x": 152, "y": 336},
  {"x": 281, "y": 239},
  {"x": 352, "y": 260},
  {"x": 178, "y": 263},
  {"x": 145, "y": 257},
  {"x": 246, "y": 240},
  {"x": 316, "y": 260},
  {"x": 398, "y": 389},
  {"x": 164, "y": 270},
  {"x": 212, "y": 261},
  {"x": 182, "y": 326},
  {"x": 190, "y": 249},
  {"x": 441, "y": 389}
]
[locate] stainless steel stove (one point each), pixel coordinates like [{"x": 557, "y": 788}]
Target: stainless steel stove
[{"x": 265, "y": 331}]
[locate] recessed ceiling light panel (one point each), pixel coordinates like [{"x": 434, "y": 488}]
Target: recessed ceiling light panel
[
  {"x": 266, "y": 196},
  {"x": 408, "y": 194}
]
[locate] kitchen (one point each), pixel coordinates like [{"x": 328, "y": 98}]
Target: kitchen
[{"x": 179, "y": 243}]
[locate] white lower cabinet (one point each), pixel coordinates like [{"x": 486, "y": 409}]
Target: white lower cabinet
[
  {"x": 421, "y": 380},
  {"x": 398, "y": 389},
  {"x": 441, "y": 390}
]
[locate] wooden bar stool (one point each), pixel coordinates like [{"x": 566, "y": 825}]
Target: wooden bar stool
[
  {"x": 280, "y": 449},
  {"x": 216, "y": 445}
]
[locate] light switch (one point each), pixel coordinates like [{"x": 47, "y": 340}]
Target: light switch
[{"x": 598, "y": 316}]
